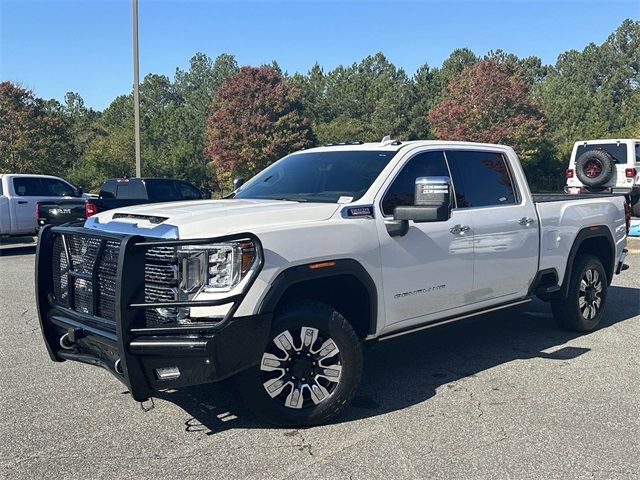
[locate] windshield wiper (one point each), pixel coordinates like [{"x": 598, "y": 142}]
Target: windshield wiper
[{"x": 299, "y": 200}]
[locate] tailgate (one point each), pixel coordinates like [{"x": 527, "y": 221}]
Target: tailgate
[{"x": 60, "y": 212}]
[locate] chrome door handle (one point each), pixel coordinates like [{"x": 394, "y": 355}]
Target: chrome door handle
[
  {"x": 525, "y": 222},
  {"x": 459, "y": 229}
]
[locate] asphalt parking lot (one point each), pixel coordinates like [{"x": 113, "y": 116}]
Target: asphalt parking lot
[{"x": 507, "y": 396}]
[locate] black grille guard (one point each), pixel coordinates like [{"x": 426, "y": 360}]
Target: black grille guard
[{"x": 129, "y": 305}]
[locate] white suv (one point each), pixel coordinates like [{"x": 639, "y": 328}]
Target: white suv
[{"x": 606, "y": 166}]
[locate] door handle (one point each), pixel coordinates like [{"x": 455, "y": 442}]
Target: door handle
[
  {"x": 525, "y": 222},
  {"x": 459, "y": 229},
  {"x": 22, "y": 202}
]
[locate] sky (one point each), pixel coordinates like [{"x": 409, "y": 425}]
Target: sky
[{"x": 57, "y": 46}]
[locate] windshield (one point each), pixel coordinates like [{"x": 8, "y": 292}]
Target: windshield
[{"x": 331, "y": 177}]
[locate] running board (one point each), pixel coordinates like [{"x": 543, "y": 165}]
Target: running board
[{"x": 437, "y": 323}]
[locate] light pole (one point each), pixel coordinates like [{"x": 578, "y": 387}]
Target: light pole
[{"x": 136, "y": 88}]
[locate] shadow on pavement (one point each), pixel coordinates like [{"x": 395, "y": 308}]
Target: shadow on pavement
[
  {"x": 408, "y": 370},
  {"x": 15, "y": 251},
  {"x": 13, "y": 246}
]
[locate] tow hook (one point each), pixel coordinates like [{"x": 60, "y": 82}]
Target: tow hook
[
  {"x": 117, "y": 367},
  {"x": 65, "y": 342},
  {"x": 69, "y": 339}
]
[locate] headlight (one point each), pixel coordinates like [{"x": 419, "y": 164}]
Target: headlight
[
  {"x": 214, "y": 268},
  {"x": 194, "y": 272}
]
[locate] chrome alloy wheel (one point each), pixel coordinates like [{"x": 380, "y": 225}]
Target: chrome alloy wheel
[
  {"x": 590, "y": 296},
  {"x": 301, "y": 373}
]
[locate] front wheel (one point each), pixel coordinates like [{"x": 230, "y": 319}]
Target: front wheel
[
  {"x": 309, "y": 370},
  {"x": 581, "y": 309}
]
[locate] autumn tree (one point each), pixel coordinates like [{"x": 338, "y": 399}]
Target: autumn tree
[
  {"x": 489, "y": 102},
  {"x": 256, "y": 119},
  {"x": 33, "y": 137}
]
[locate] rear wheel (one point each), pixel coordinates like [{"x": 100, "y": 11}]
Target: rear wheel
[
  {"x": 309, "y": 370},
  {"x": 581, "y": 309}
]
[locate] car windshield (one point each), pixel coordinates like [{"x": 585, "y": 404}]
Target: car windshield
[{"x": 329, "y": 177}]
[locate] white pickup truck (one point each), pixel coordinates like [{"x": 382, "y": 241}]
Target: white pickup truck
[
  {"x": 19, "y": 196},
  {"x": 282, "y": 283}
]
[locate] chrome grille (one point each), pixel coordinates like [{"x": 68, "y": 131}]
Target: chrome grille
[
  {"x": 160, "y": 281},
  {"x": 163, "y": 254},
  {"x": 159, "y": 294},
  {"x": 162, "y": 274}
]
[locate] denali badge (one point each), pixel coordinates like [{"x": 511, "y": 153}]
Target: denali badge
[{"x": 360, "y": 211}]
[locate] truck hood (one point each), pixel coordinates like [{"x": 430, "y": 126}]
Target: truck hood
[{"x": 208, "y": 218}]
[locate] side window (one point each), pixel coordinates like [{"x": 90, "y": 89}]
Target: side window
[
  {"x": 402, "y": 190},
  {"x": 57, "y": 188},
  {"x": 161, "y": 190},
  {"x": 480, "y": 179},
  {"x": 186, "y": 191},
  {"x": 28, "y": 187}
]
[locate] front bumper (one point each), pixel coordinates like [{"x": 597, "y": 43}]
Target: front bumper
[{"x": 201, "y": 352}]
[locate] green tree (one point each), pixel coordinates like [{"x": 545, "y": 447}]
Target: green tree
[
  {"x": 595, "y": 93},
  {"x": 80, "y": 124},
  {"x": 369, "y": 99},
  {"x": 257, "y": 118},
  {"x": 33, "y": 135}
]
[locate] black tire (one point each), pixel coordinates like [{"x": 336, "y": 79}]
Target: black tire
[
  {"x": 581, "y": 309},
  {"x": 329, "y": 325},
  {"x": 595, "y": 168}
]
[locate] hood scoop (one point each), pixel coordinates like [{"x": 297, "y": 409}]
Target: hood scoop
[{"x": 149, "y": 218}]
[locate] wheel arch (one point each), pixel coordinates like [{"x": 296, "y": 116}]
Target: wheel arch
[
  {"x": 343, "y": 283},
  {"x": 595, "y": 240}
]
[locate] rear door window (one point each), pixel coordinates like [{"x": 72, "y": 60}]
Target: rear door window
[
  {"x": 28, "y": 187},
  {"x": 480, "y": 179},
  {"x": 617, "y": 150}
]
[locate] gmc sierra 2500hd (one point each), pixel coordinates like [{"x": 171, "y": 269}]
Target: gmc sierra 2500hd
[{"x": 282, "y": 283}]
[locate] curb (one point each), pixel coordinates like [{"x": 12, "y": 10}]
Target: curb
[{"x": 633, "y": 245}]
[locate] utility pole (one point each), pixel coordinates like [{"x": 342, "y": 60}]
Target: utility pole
[{"x": 136, "y": 88}]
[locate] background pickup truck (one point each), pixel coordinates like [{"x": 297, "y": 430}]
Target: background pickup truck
[
  {"x": 281, "y": 284},
  {"x": 115, "y": 193},
  {"x": 19, "y": 194}
]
